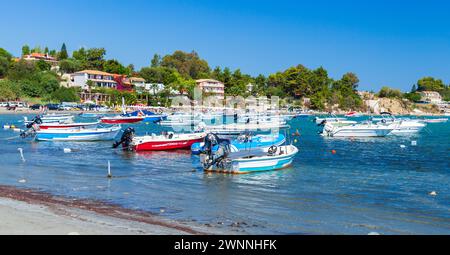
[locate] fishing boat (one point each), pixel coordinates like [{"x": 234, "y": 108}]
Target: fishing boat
[
  {"x": 153, "y": 142},
  {"x": 121, "y": 119},
  {"x": 148, "y": 115},
  {"x": 80, "y": 134},
  {"x": 52, "y": 118},
  {"x": 246, "y": 142},
  {"x": 67, "y": 126},
  {"x": 357, "y": 130},
  {"x": 223, "y": 160}
]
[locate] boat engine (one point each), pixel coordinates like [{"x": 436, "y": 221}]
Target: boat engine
[
  {"x": 32, "y": 127},
  {"x": 126, "y": 139},
  {"x": 218, "y": 158}
]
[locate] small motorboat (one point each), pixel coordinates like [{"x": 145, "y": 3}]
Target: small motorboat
[
  {"x": 223, "y": 160},
  {"x": 335, "y": 121},
  {"x": 148, "y": 115},
  {"x": 52, "y": 118},
  {"x": 401, "y": 126},
  {"x": 80, "y": 134},
  {"x": 245, "y": 142},
  {"x": 67, "y": 126},
  {"x": 121, "y": 119},
  {"x": 153, "y": 142},
  {"x": 357, "y": 130}
]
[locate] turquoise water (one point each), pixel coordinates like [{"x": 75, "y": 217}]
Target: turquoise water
[{"x": 369, "y": 185}]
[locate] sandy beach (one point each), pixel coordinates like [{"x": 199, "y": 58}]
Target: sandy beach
[{"x": 27, "y": 212}]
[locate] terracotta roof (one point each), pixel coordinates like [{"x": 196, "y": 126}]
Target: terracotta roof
[{"x": 94, "y": 72}]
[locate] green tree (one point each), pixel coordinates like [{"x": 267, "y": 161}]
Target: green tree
[
  {"x": 26, "y": 50},
  {"x": 21, "y": 70},
  {"x": 64, "y": 94},
  {"x": 390, "y": 93},
  {"x": 430, "y": 84},
  {"x": 43, "y": 66},
  {"x": 189, "y": 65},
  {"x": 9, "y": 90},
  {"x": 70, "y": 66},
  {"x": 114, "y": 66},
  {"x": 46, "y": 51},
  {"x": 5, "y": 59},
  {"x": 156, "y": 61},
  {"x": 63, "y": 53}
]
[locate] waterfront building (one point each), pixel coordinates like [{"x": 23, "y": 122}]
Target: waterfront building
[
  {"x": 98, "y": 78},
  {"x": 211, "y": 87}
]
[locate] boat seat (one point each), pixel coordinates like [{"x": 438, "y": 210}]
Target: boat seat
[{"x": 247, "y": 154}]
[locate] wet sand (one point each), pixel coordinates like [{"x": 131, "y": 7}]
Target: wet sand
[{"x": 24, "y": 211}]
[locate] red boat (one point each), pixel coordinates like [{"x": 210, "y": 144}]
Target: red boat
[
  {"x": 352, "y": 114},
  {"x": 169, "y": 141},
  {"x": 66, "y": 126},
  {"x": 122, "y": 119}
]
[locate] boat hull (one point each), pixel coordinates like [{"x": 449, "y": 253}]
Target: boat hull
[
  {"x": 121, "y": 120},
  {"x": 165, "y": 145},
  {"x": 361, "y": 133},
  {"x": 65, "y": 126},
  {"x": 94, "y": 135},
  {"x": 259, "y": 164}
]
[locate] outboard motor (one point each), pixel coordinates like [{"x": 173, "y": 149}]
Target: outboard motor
[
  {"x": 126, "y": 139},
  {"x": 32, "y": 127},
  {"x": 208, "y": 157}
]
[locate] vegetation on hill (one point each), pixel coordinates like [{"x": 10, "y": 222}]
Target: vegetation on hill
[{"x": 178, "y": 72}]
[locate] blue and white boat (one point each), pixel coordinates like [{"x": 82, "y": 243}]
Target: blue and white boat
[
  {"x": 81, "y": 134},
  {"x": 247, "y": 161},
  {"x": 246, "y": 142},
  {"x": 148, "y": 115}
]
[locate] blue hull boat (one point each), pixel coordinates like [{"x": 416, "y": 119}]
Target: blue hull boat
[
  {"x": 246, "y": 143},
  {"x": 149, "y": 116}
]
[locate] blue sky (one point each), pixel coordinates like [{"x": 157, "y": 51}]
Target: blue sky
[{"x": 384, "y": 42}]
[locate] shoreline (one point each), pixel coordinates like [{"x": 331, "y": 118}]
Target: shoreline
[
  {"x": 31, "y": 212},
  {"x": 28, "y": 111}
]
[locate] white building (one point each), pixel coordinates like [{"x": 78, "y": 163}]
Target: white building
[
  {"x": 99, "y": 79},
  {"x": 211, "y": 87},
  {"x": 431, "y": 97},
  {"x": 137, "y": 82}
]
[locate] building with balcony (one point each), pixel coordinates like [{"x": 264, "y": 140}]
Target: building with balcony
[
  {"x": 98, "y": 79},
  {"x": 211, "y": 87}
]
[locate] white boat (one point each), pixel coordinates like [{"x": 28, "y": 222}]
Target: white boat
[
  {"x": 248, "y": 161},
  {"x": 357, "y": 130},
  {"x": 401, "y": 126},
  {"x": 440, "y": 120},
  {"x": 81, "y": 134},
  {"x": 335, "y": 121},
  {"x": 52, "y": 118}
]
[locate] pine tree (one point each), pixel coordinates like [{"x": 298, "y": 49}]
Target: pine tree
[{"x": 63, "y": 53}]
